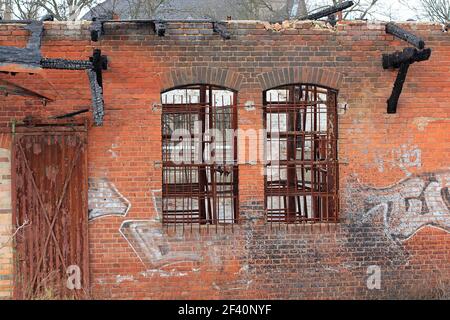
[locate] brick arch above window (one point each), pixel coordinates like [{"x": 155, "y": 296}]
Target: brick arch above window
[
  {"x": 202, "y": 75},
  {"x": 284, "y": 76}
]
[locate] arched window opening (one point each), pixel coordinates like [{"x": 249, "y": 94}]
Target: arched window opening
[
  {"x": 301, "y": 183},
  {"x": 199, "y": 156}
]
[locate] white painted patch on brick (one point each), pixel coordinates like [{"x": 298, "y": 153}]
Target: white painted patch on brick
[
  {"x": 120, "y": 279},
  {"x": 148, "y": 241},
  {"x": 423, "y": 122},
  {"x": 405, "y": 157},
  {"x": 105, "y": 200},
  {"x": 161, "y": 273}
]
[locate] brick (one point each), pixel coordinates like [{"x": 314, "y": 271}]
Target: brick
[{"x": 382, "y": 157}]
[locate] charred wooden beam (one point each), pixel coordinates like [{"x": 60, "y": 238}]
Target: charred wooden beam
[
  {"x": 408, "y": 55},
  {"x": 99, "y": 64},
  {"x": 328, "y": 11},
  {"x": 64, "y": 64},
  {"x": 29, "y": 56},
  {"x": 402, "y": 60},
  {"x": 405, "y": 35},
  {"x": 332, "y": 20},
  {"x": 159, "y": 27},
  {"x": 94, "y": 67},
  {"x": 48, "y": 17},
  {"x": 7, "y": 88},
  {"x": 221, "y": 29},
  {"x": 97, "y": 27},
  {"x": 97, "y": 98},
  {"x": 70, "y": 115},
  {"x": 398, "y": 87}
]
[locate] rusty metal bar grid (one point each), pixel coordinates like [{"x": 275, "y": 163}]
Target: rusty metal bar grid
[
  {"x": 200, "y": 172},
  {"x": 301, "y": 182}
]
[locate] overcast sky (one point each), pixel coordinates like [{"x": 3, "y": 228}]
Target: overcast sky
[
  {"x": 384, "y": 10},
  {"x": 398, "y": 10}
]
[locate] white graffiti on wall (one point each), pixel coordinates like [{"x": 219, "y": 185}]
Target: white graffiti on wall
[
  {"x": 105, "y": 200},
  {"x": 404, "y": 158},
  {"x": 150, "y": 243},
  {"x": 410, "y": 205},
  {"x": 423, "y": 122}
]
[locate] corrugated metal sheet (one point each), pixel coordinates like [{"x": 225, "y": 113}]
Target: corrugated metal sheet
[{"x": 50, "y": 198}]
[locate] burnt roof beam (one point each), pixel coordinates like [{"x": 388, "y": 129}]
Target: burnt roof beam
[
  {"x": 159, "y": 27},
  {"x": 64, "y": 64},
  {"x": 98, "y": 108},
  {"x": 70, "y": 114},
  {"x": 94, "y": 68},
  {"x": 28, "y": 56},
  {"x": 97, "y": 27},
  {"x": 31, "y": 56},
  {"x": 402, "y": 60},
  {"x": 221, "y": 29},
  {"x": 328, "y": 11},
  {"x": 398, "y": 88},
  {"x": 408, "y": 55},
  {"x": 7, "y": 87},
  {"x": 48, "y": 17},
  {"x": 99, "y": 63},
  {"x": 396, "y": 31}
]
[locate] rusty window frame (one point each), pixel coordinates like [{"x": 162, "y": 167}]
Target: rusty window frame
[
  {"x": 301, "y": 186},
  {"x": 202, "y": 192}
]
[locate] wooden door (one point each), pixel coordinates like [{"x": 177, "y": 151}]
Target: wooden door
[{"x": 50, "y": 208}]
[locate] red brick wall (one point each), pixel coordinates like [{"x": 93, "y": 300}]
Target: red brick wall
[{"x": 394, "y": 172}]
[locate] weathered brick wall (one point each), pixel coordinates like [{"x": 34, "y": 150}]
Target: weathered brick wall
[
  {"x": 5, "y": 219},
  {"x": 394, "y": 172}
]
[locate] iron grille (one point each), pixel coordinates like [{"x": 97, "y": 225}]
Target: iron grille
[
  {"x": 301, "y": 183},
  {"x": 200, "y": 172}
]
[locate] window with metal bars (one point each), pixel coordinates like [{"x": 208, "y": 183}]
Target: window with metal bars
[
  {"x": 200, "y": 172},
  {"x": 301, "y": 183}
]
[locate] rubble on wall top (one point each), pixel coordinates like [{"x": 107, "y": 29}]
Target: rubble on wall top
[
  {"x": 276, "y": 26},
  {"x": 296, "y": 24}
]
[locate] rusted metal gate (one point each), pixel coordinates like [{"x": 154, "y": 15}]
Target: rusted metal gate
[
  {"x": 50, "y": 203},
  {"x": 302, "y": 168},
  {"x": 200, "y": 172}
]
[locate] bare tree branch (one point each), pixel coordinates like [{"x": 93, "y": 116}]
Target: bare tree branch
[
  {"x": 60, "y": 9},
  {"x": 433, "y": 10},
  {"x": 144, "y": 8},
  {"x": 11, "y": 238}
]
